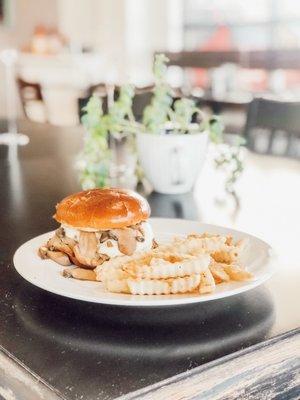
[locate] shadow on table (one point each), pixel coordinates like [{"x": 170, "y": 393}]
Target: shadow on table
[
  {"x": 100, "y": 350},
  {"x": 205, "y": 330},
  {"x": 184, "y": 206}
]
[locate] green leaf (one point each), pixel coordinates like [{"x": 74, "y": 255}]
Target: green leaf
[
  {"x": 215, "y": 128},
  {"x": 95, "y": 155},
  {"x": 160, "y": 67}
]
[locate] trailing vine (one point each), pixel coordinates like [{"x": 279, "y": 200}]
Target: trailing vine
[{"x": 162, "y": 114}]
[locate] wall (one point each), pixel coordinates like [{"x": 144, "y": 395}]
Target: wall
[
  {"x": 146, "y": 32},
  {"x": 26, "y": 14},
  {"x": 151, "y": 25},
  {"x": 125, "y": 32},
  {"x": 77, "y": 22}
]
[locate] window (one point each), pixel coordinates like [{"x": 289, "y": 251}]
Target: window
[{"x": 238, "y": 24}]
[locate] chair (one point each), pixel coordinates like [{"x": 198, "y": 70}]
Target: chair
[
  {"x": 32, "y": 100},
  {"x": 139, "y": 102},
  {"x": 276, "y": 123},
  {"x": 99, "y": 88}
]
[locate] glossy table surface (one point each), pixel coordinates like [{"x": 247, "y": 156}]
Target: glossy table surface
[{"x": 88, "y": 351}]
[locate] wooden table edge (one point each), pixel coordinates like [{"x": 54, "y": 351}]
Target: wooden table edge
[
  {"x": 16, "y": 380},
  {"x": 272, "y": 366}
]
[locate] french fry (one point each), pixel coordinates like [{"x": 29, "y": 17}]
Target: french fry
[
  {"x": 236, "y": 273},
  {"x": 117, "y": 286},
  {"x": 218, "y": 280},
  {"x": 223, "y": 256},
  {"x": 164, "y": 286},
  {"x": 219, "y": 273},
  {"x": 197, "y": 262},
  {"x": 79, "y": 273},
  {"x": 164, "y": 265},
  {"x": 229, "y": 240},
  {"x": 207, "y": 282}
]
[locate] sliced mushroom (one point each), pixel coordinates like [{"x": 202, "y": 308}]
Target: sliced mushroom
[
  {"x": 60, "y": 232},
  {"x": 104, "y": 236},
  {"x": 86, "y": 251},
  {"x": 103, "y": 258},
  {"x": 57, "y": 256},
  {"x": 138, "y": 227},
  {"x": 83, "y": 254},
  {"x": 88, "y": 244},
  {"x": 126, "y": 240},
  {"x": 112, "y": 235},
  {"x": 79, "y": 273},
  {"x": 154, "y": 244},
  {"x": 69, "y": 242},
  {"x": 42, "y": 252},
  {"x": 76, "y": 262},
  {"x": 64, "y": 245}
]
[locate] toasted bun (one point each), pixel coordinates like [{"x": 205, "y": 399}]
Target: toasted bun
[{"x": 102, "y": 209}]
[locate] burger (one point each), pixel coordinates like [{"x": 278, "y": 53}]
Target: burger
[{"x": 98, "y": 224}]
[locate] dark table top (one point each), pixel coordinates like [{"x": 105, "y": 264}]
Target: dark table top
[{"x": 89, "y": 351}]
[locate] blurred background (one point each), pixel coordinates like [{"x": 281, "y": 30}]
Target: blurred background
[{"x": 226, "y": 54}]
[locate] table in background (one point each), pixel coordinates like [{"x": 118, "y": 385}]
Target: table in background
[{"x": 100, "y": 352}]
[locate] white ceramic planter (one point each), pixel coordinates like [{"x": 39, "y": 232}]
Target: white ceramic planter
[{"x": 172, "y": 162}]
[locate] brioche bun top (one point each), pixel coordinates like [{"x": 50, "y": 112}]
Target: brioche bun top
[{"x": 102, "y": 209}]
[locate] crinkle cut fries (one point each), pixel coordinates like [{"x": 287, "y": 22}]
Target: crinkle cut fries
[{"x": 196, "y": 263}]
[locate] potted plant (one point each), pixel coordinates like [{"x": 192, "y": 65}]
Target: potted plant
[
  {"x": 173, "y": 142},
  {"x": 170, "y": 142}
]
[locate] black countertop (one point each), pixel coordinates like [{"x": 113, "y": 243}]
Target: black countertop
[{"x": 91, "y": 351}]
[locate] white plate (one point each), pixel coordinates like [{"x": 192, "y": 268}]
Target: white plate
[{"x": 46, "y": 274}]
